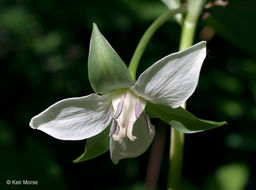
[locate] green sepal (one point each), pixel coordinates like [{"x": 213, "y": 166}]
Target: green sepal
[
  {"x": 180, "y": 119},
  {"x": 106, "y": 69},
  {"x": 95, "y": 146}
]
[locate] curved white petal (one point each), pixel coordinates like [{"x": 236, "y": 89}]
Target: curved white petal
[
  {"x": 173, "y": 79},
  {"x": 125, "y": 148},
  {"x": 74, "y": 118}
]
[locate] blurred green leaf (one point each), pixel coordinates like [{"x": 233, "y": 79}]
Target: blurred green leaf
[
  {"x": 233, "y": 176},
  {"x": 248, "y": 66},
  {"x": 146, "y": 10},
  {"x": 6, "y": 135},
  {"x": 55, "y": 63},
  {"x": 232, "y": 108},
  {"x": 241, "y": 141},
  {"x": 235, "y": 22},
  {"x": 227, "y": 83},
  {"x": 16, "y": 20},
  {"x": 180, "y": 119},
  {"x": 151, "y": 10},
  {"x": 47, "y": 44}
]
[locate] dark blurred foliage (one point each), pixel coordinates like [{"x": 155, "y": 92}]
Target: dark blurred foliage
[{"x": 43, "y": 55}]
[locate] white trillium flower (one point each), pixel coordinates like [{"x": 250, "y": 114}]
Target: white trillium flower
[{"x": 169, "y": 81}]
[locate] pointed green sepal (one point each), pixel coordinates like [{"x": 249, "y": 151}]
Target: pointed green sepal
[
  {"x": 106, "y": 69},
  {"x": 181, "y": 119},
  {"x": 95, "y": 146}
]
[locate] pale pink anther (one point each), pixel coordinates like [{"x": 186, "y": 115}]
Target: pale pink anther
[
  {"x": 119, "y": 109},
  {"x": 113, "y": 128},
  {"x": 148, "y": 124},
  {"x": 108, "y": 115}
]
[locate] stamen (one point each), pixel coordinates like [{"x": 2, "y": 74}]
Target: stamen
[
  {"x": 129, "y": 133},
  {"x": 148, "y": 124},
  {"x": 108, "y": 115},
  {"x": 138, "y": 110},
  {"x": 119, "y": 109},
  {"x": 113, "y": 128}
]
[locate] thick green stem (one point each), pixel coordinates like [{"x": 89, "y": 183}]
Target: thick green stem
[
  {"x": 176, "y": 158},
  {"x": 195, "y": 8},
  {"x": 177, "y": 138},
  {"x": 146, "y": 38},
  {"x": 187, "y": 35}
]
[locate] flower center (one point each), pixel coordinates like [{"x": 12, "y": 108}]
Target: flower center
[{"x": 127, "y": 108}]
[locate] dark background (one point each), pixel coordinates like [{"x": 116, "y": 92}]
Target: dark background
[{"x": 43, "y": 55}]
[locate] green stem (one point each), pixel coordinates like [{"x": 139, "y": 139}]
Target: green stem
[
  {"x": 146, "y": 38},
  {"x": 195, "y": 8},
  {"x": 176, "y": 158},
  {"x": 177, "y": 138},
  {"x": 187, "y": 35}
]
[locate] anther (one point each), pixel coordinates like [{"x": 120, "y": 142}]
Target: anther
[
  {"x": 119, "y": 109},
  {"x": 108, "y": 115},
  {"x": 148, "y": 124},
  {"x": 113, "y": 128}
]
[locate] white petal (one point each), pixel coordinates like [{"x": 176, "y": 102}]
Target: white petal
[
  {"x": 74, "y": 118},
  {"x": 125, "y": 148},
  {"x": 173, "y": 79}
]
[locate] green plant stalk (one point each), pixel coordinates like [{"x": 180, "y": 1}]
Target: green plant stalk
[
  {"x": 175, "y": 159},
  {"x": 146, "y": 38},
  {"x": 195, "y": 8},
  {"x": 177, "y": 138}
]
